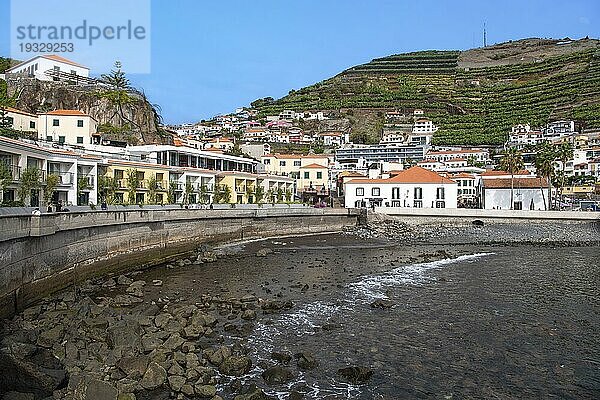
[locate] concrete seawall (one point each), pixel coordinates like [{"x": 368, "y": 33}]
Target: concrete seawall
[
  {"x": 42, "y": 254},
  {"x": 462, "y": 216}
]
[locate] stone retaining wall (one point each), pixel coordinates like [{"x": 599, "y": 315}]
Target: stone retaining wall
[{"x": 42, "y": 254}]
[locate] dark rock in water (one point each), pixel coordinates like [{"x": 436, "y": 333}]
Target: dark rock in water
[
  {"x": 40, "y": 373},
  {"x": 283, "y": 358},
  {"x": 355, "y": 375},
  {"x": 382, "y": 303},
  {"x": 86, "y": 388},
  {"x": 154, "y": 376},
  {"x": 252, "y": 392},
  {"x": 276, "y": 305},
  {"x": 236, "y": 366},
  {"x": 294, "y": 395},
  {"x": 306, "y": 360},
  {"x": 277, "y": 375}
]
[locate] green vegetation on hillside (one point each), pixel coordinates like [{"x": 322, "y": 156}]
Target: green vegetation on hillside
[{"x": 472, "y": 106}]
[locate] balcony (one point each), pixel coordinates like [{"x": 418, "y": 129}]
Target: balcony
[
  {"x": 64, "y": 178},
  {"x": 88, "y": 179},
  {"x": 15, "y": 172}
]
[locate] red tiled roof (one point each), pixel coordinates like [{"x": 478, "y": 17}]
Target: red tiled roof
[
  {"x": 502, "y": 173},
  {"x": 67, "y": 113},
  {"x": 315, "y": 166},
  {"x": 412, "y": 175},
  {"x": 525, "y": 183},
  {"x": 16, "y": 111}
]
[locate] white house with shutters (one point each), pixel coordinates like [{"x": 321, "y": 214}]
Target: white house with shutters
[
  {"x": 72, "y": 127},
  {"x": 415, "y": 187}
]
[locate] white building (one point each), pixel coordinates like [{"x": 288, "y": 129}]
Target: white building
[
  {"x": 50, "y": 67},
  {"x": 415, "y": 187},
  {"x": 67, "y": 127},
  {"x": 480, "y": 155},
  {"x": 20, "y": 120},
  {"x": 529, "y": 193},
  {"x": 72, "y": 170}
]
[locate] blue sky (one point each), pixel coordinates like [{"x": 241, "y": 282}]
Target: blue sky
[{"x": 209, "y": 57}]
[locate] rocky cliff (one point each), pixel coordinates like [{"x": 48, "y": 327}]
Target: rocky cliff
[{"x": 136, "y": 121}]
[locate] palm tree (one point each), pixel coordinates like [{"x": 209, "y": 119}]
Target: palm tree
[
  {"x": 564, "y": 152},
  {"x": 544, "y": 165},
  {"x": 512, "y": 162}
]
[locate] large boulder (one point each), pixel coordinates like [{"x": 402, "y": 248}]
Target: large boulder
[
  {"x": 306, "y": 360},
  {"x": 236, "y": 366},
  {"x": 205, "y": 391},
  {"x": 154, "y": 376},
  {"x": 252, "y": 392},
  {"x": 277, "y": 375},
  {"x": 355, "y": 375},
  {"x": 86, "y": 388},
  {"x": 132, "y": 366},
  {"x": 40, "y": 373},
  {"x": 217, "y": 356}
]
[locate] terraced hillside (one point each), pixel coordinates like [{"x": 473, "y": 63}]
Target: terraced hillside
[{"x": 475, "y": 96}]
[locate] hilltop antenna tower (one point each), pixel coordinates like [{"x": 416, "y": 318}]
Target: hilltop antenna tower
[{"x": 484, "y": 36}]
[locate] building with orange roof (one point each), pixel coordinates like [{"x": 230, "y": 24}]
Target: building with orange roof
[
  {"x": 415, "y": 187},
  {"x": 73, "y": 127},
  {"x": 49, "y": 67},
  {"x": 20, "y": 120},
  {"x": 528, "y": 193}
]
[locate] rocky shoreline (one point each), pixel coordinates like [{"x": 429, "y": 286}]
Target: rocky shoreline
[
  {"x": 125, "y": 338},
  {"x": 539, "y": 233}
]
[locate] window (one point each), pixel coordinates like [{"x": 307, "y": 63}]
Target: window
[
  {"x": 80, "y": 123},
  {"x": 139, "y": 198},
  {"x": 31, "y": 125},
  {"x": 267, "y": 162},
  {"x": 319, "y": 175},
  {"x": 297, "y": 163},
  {"x": 375, "y": 191},
  {"x": 55, "y": 122},
  {"x": 440, "y": 195},
  {"x": 360, "y": 191},
  {"x": 306, "y": 175},
  {"x": 518, "y": 205},
  {"x": 73, "y": 72},
  {"x": 418, "y": 204},
  {"x": 440, "y": 204},
  {"x": 79, "y": 139},
  {"x": 395, "y": 193},
  {"x": 282, "y": 163},
  {"x": 418, "y": 194},
  {"x": 61, "y": 139},
  {"x": 49, "y": 138}
]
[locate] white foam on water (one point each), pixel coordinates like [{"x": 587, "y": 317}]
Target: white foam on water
[{"x": 372, "y": 287}]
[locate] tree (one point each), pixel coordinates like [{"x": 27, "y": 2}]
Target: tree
[
  {"x": 204, "y": 194},
  {"x": 222, "y": 194},
  {"x": 5, "y": 177},
  {"x": 117, "y": 78},
  {"x": 288, "y": 195},
  {"x": 30, "y": 179},
  {"x": 51, "y": 184},
  {"x": 544, "y": 165},
  {"x": 259, "y": 194},
  {"x": 133, "y": 183},
  {"x": 152, "y": 189},
  {"x": 512, "y": 162},
  {"x": 564, "y": 152},
  {"x": 189, "y": 189},
  {"x": 107, "y": 186},
  {"x": 171, "y": 192},
  {"x": 249, "y": 194},
  {"x": 279, "y": 195}
]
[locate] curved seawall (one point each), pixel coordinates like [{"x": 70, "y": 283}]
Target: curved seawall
[{"x": 41, "y": 254}]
